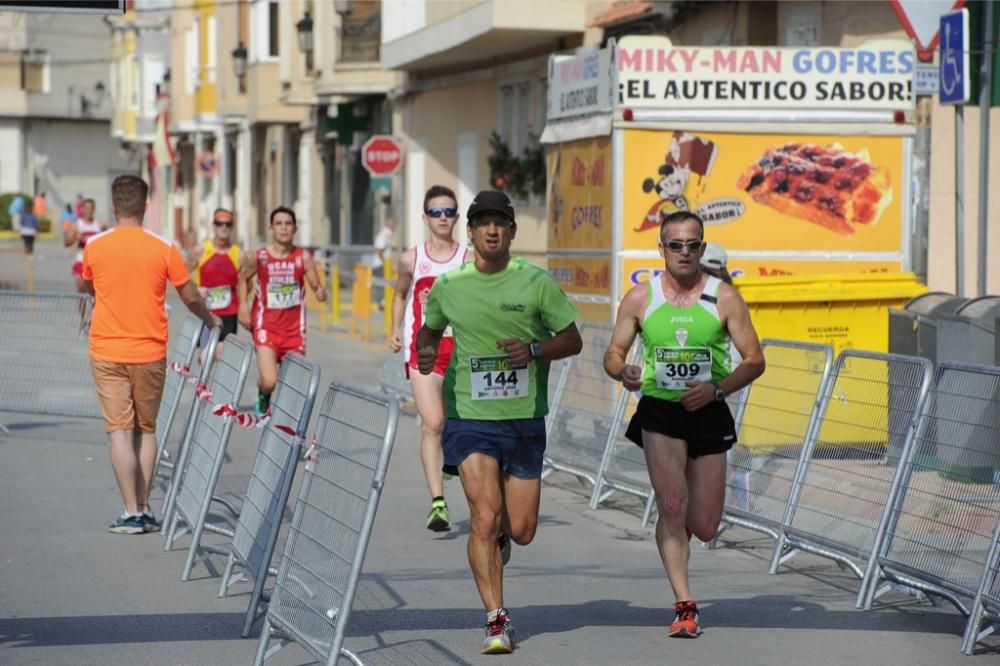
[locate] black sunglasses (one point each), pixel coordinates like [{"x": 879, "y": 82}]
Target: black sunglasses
[
  {"x": 678, "y": 246},
  {"x": 222, "y": 224},
  {"x": 438, "y": 212}
]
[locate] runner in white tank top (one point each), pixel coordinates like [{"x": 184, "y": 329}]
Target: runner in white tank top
[
  {"x": 78, "y": 234},
  {"x": 425, "y": 271},
  {"x": 418, "y": 269}
]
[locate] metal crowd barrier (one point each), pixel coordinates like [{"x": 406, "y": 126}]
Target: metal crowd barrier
[
  {"x": 180, "y": 358},
  {"x": 774, "y": 418},
  {"x": 206, "y": 453},
  {"x": 256, "y": 531},
  {"x": 623, "y": 463},
  {"x": 171, "y": 471},
  {"x": 392, "y": 376},
  {"x": 986, "y": 605},
  {"x": 943, "y": 517},
  {"x": 849, "y": 466},
  {"x": 45, "y": 358},
  {"x": 578, "y": 428},
  {"x": 332, "y": 523}
]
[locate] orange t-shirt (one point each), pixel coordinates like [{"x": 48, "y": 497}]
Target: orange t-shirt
[{"x": 129, "y": 267}]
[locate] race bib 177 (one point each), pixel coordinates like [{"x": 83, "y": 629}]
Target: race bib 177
[{"x": 283, "y": 296}]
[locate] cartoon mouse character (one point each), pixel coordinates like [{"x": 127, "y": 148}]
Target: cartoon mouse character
[
  {"x": 670, "y": 186},
  {"x": 687, "y": 154}
]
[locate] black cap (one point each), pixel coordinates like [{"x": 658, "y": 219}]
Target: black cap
[{"x": 491, "y": 201}]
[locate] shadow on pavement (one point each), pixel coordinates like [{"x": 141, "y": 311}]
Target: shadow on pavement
[
  {"x": 111, "y": 629},
  {"x": 761, "y": 612}
]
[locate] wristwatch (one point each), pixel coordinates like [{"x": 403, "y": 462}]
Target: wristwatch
[
  {"x": 720, "y": 395},
  {"x": 535, "y": 349}
]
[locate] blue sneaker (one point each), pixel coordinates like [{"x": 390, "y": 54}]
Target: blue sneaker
[
  {"x": 128, "y": 524},
  {"x": 263, "y": 404}
]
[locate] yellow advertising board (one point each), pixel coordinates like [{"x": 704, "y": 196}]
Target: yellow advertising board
[
  {"x": 588, "y": 276},
  {"x": 767, "y": 192},
  {"x": 582, "y": 275},
  {"x": 636, "y": 270},
  {"x": 579, "y": 198}
]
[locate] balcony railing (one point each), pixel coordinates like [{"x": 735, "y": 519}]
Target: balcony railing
[{"x": 360, "y": 38}]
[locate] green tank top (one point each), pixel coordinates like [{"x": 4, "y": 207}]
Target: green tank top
[{"x": 682, "y": 344}]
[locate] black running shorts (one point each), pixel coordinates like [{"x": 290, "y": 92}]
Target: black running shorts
[{"x": 709, "y": 430}]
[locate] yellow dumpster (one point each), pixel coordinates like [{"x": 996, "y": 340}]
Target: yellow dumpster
[
  {"x": 846, "y": 311},
  {"x": 843, "y": 310}
]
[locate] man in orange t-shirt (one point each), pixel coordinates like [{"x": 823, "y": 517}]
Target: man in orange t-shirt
[{"x": 126, "y": 269}]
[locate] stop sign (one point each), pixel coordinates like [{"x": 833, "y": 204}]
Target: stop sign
[{"x": 381, "y": 155}]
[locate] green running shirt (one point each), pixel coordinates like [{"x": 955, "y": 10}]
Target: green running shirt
[
  {"x": 682, "y": 344},
  {"x": 522, "y": 301}
]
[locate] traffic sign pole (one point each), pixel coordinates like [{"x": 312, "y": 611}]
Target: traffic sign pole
[
  {"x": 985, "y": 82},
  {"x": 959, "y": 200},
  {"x": 955, "y": 88}
]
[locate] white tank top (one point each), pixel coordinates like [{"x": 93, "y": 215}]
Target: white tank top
[
  {"x": 425, "y": 272},
  {"x": 85, "y": 230}
]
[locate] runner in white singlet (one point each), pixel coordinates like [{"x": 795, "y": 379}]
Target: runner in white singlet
[{"x": 418, "y": 269}]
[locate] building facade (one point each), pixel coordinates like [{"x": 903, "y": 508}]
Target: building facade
[
  {"x": 476, "y": 82},
  {"x": 56, "y": 109}
]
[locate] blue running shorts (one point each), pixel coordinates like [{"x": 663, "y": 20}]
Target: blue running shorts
[{"x": 517, "y": 444}]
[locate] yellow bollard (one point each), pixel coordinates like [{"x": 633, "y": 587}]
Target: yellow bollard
[
  {"x": 387, "y": 295},
  {"x": 335, "y": 294},
  {"x": 361, "y": 306}
]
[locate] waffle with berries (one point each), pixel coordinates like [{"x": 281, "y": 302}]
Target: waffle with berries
[{"x": 829, "y": 186}]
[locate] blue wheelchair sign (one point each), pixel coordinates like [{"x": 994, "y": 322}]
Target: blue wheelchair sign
[{"x": 956, "y": 84}]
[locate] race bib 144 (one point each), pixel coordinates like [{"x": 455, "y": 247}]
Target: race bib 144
[{"x": 496, "y": 378}]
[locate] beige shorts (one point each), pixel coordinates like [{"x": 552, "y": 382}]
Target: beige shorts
[{"x": 129, "y": 393}]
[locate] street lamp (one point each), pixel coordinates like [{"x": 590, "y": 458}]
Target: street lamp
[
  {"x": 240, "y": 60},
  {"x": 305, "y": 29}
]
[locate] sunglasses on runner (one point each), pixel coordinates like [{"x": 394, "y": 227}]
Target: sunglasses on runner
[
  {"x": 438, "y": 212},
  {"x": 219, "y": 223},
  {"x": 678, "y": 246}
]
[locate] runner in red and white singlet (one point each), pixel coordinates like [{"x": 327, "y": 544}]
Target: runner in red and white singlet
[
  {"x": 426, "y": 269},
  {"x": 278, "y": 316},
  {"x": 418, "y": 269},
  {"x": 279, "y": 313},
  {"x": 78, "y": 234}
]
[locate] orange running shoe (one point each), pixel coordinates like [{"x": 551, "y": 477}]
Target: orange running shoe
[{"x": 685, "y": 624}]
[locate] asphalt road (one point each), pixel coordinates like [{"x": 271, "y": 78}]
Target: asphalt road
[{"x": 589, "y": 590}]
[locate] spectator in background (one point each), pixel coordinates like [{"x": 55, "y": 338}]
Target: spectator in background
[
  {"x": 713, "y": 262},
  {"x": 383, "y": 250},
  {"x": 41, "y": 206},
  {"x": 29, "y": 229},
  {"x": 15, "y": 209},
  {"x": 78, "y": 208},
  {"x": 67, "y": 218}
]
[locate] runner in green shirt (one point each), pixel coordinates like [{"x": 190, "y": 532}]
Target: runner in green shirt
[
  {"x": 686, "y": 319},
  {"x": 503, "y": 312}
]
